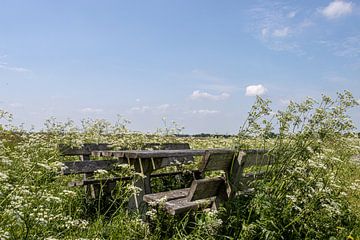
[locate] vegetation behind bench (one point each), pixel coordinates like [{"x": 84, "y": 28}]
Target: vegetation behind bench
[{"x": 88, "y": 167}]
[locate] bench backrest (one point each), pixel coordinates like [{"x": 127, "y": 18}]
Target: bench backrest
[
  {"x": 217, "y": 160},
  {"x": 205, "y": 188},
  {"x": 220, "y": 159},
  {"x": 240, "y": 179},
  {"x": 234, "y": 166},
  {"x": 85, "y": 165},
  {"x": 66, "y": 150}
]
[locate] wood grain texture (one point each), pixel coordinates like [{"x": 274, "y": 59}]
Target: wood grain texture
[
  {"x": 181, "y": 205},
  {"x": 169, "y": 195},
  {"x": 76, "y": 167},
  {"x": 86, "y": 149},
  {"x": 256, "y": 158},
  {"x": 166, "y": 146},
  {"x": 205, "y": 188},
  {"x": 217, "y": 160},
  {"x": 133, "y": 154},
  {"x": 125, "y": 178}
]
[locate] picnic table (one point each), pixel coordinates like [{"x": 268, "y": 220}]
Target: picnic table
[{"x": 147, "y": 161}]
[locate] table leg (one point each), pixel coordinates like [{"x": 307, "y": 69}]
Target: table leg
[{"x": 143, "y": 167}]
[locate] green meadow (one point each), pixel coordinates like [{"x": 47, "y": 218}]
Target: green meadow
[{"x": 311, "y": 192}]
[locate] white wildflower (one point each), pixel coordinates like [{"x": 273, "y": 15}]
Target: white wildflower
[
  {"x": 3, "y": 176},
  {"x": 151, "y": 213},
  {"x": 6, "y": 161},
  {"x": 47, "y": 167},
  {"x": 134, "y": 189},
  {"x": 122, "y": 165},
  {"x": 101, "y": 171},
  {"x": 69, "y": 193},
  {"x": 292, "y": 198}
]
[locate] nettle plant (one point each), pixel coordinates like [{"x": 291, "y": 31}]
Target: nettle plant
[{"x": 304, "y": 195}]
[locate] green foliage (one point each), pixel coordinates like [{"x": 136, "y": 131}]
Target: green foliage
[
  {"x": 311, "y": 192},
  {"x": 305, "y": 194}
]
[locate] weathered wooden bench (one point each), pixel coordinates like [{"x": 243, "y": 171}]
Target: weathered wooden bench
[
  {"x": 211, "y": 192},
  {"x": 88, "y": 167}
]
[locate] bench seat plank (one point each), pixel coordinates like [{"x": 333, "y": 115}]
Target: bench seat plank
[
  {"x": 169, "y": 195},
  {"x": 182, "y": 205}
]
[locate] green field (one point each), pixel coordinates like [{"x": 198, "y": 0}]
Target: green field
[{"x": 313, "y": 192}]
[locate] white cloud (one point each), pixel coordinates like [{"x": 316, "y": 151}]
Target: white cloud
[
  {"x": 277, "y": 25},
  {"x": 204, "y": 95},
  {"x": 281, "y": 32},
  {"x": 253, "y": 90},
  {"x": 140, "y": 109},
  {"x": 137, "y": 100},
  {"x": 154, "y": 109},
  {"x": 91, "y": 110},
  {"x": 205, "y": 112},
  {"x": 336, "y": 9},
  {"x": 5, "y": 66}
]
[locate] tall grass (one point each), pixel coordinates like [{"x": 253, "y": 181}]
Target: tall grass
[{"x": 312, "y": 192}]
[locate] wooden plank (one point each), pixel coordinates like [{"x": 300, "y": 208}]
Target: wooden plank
[
  {"x": 171, "y": 161},
  {"x": 133, "y": 154},
  {"x": 214, "y": 160},
  {"x": 256, "y": 158},
  {"x": 236, "y": 173},
  {"x": 163, "y": 153},
  {"x": 181, "y": 205},
  {"x": 166, "y": 146},
  {"x": 238, "y": 181},
  {"x": 109, "y": 153},
  {"x": 66, "y": 150},
  {"x": 143, "y": 183},
  {"x": 169, "y": 195},
  {"x": 205, "y": 188},
  {"x": 87, "y": 167},
  {"x": 125, "y": 178},
  {"x": 98, "y": 181}
]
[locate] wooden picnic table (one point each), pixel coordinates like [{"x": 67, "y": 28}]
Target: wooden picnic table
[{"x": 147, "y": 161}]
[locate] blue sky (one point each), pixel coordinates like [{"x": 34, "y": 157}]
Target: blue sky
[{"x": 199, "y": 63}]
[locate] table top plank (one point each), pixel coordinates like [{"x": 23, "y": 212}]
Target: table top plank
[{"x": 133, "y": 154}]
